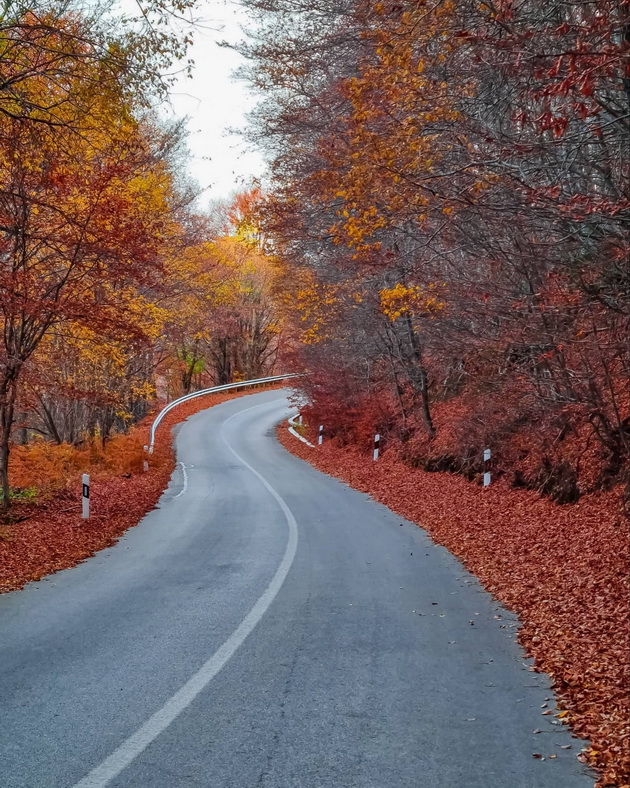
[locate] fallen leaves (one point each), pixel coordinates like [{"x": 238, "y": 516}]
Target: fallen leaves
[{"x": 562, "y": 569}]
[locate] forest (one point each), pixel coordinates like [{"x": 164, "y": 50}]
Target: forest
[
  {"x": 442, "y": 236},
  {"x": 114, "y": 287},
  {"x": 449, "y": 198},
  {"x": 440, "y": 247}
]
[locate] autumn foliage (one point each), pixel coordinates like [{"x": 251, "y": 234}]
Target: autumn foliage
[
  {"x": 450, "y": 201},
  {"x": 115, "y": 288},
  {"x": 443, "y": 247},
  {"x": 563, "y": 570}
]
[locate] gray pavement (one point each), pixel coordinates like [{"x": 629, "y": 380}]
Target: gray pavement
[{"x": 208, "y": 649}]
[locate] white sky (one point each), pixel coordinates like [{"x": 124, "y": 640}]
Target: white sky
[{"x": 214, "y": 101}]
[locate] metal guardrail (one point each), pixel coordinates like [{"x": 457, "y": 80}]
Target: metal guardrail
[{"x": 213, "y": 390}]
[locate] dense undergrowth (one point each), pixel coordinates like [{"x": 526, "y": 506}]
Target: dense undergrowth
[
  {"x": 562, "y": 569},
  {"x": 554, "y": 450}
]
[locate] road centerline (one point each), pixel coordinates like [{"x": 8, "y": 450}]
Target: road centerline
[{"x": 135, "y": 744}]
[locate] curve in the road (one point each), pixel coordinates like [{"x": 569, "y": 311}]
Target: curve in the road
[
  {"x": 112, "y": 766},
  {"x": 209, "y": 649}
]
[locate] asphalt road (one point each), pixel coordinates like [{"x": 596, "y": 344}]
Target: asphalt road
[{"x": 268, "y": 626}]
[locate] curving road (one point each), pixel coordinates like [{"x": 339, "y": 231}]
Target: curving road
[{"x": 268, "y": 626}]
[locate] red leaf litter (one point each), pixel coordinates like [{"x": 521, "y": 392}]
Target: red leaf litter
[
  {"x": 564, "y": 570},
  {"x": 51, "y": 535}
]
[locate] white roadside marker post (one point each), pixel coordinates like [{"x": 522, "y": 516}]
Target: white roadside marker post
[
  {"x": 145, "y": 462},
  {"x": 320, "y": 438},
  {"x": 299, "y": 419},
  {"x": 486, "y": 468},
  {"x": 377, "y": 443},
  {"x": 85, "y": 498}
]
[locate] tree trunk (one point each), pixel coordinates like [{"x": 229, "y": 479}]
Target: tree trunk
[
  {"x": 50, "y": 421},
  {"x": 419, "y": 377},
  {"x": 188, "y": 375},
  {"x": 7, "y": 408}
]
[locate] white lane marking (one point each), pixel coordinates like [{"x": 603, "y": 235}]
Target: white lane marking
[
  {"x": 297, "y": 434},
  {"x": 132, "y": 747},
  {"x": 185, "y": 487}
]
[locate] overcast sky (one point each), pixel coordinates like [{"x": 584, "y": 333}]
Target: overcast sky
[{"x": 214, "y": 102}]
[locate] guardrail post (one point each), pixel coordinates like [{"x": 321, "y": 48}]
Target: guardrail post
[
  {"x": 487, "y": 476},
  {"x": 85, "y": 497}
]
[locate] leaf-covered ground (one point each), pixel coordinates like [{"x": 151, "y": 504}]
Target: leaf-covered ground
[
  {"x": 562, "y": 569},
  {"x": 50, "y": 534}
]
